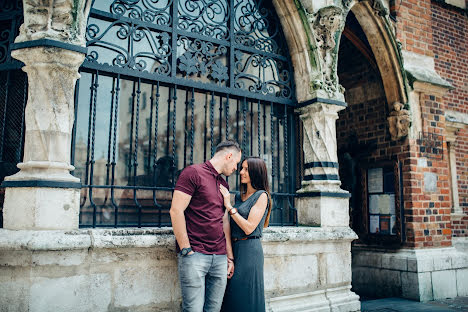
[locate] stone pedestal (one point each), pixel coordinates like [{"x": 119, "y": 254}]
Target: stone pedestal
[
  {"x": 324, "y": 210},
  {"x": 43, "y": 194}
]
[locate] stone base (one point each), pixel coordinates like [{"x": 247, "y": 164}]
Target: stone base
[
  {"x": 323, "y": 210},
  {"x": 334, "y": 299},
  {"x": 421, "y": 274},
  {"x": 41, "y": 208},
  {"x": 306, "y": 269}
]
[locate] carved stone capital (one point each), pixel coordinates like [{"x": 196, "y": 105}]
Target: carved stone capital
[
  {"x": 62, "y": 20},
  {"x": 327, "y": 24}
]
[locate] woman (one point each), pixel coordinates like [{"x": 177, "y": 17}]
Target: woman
[{"x": 251, "y": 212}]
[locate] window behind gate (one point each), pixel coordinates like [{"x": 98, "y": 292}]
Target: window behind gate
[{"x": 162, "y": 84}]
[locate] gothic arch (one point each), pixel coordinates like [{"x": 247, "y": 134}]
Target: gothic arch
[
  {"x": 372, "y": 16},
  {"x": 301, "y": 49}
]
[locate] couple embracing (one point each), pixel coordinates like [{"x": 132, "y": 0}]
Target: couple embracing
[{"x": 220, "y": 256}]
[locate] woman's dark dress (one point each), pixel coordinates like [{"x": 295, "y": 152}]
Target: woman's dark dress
[{"x": 245, "y": 290}]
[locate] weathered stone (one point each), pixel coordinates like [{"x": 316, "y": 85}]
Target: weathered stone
[
  {"x": 150, "y": 285},
  {"x": 444, "y": 284},
  {"x": 323, "y": 211},
  {"x": 462, "y": 282},
  {"x": 75, "y": 293},
  {"x": 430, "y": 182},
  {"x": 41, "y": 208}
]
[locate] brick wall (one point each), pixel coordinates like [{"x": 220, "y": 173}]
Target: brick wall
[
  {"x": 450, "y": 37},
  {"x": 414, "y": 25},
  {"x": 423, "y": 27}
]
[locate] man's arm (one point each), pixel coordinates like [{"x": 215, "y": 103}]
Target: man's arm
[
  {"x": 180, "y": 202},
  {"x": 227, "y": 234}
]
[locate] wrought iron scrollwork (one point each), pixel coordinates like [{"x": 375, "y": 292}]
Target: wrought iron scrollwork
[
  {"x": 256, "y": 27},
  {"x": 151, "y": 11},
  {"x": 203, "y": 58},
  {"x": 205, "y": 17},
  {"x": 262, "y": 74},
  {"x": 136, "y": 46}
]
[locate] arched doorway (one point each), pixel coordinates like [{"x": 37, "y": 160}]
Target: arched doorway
[
  {"x": 370, "y": 155},
  {"x": 162, "y": 84}
]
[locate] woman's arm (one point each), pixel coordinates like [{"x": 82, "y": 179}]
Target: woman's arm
[{"x": 255, "y": 214}]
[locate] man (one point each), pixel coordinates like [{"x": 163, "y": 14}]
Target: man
[{"x": 201, "y": 227}]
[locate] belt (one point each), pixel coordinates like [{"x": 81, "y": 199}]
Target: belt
[{"x": 245, "y": 238}]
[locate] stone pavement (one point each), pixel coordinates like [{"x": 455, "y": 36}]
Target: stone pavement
[{"x": 402, "y": 305}]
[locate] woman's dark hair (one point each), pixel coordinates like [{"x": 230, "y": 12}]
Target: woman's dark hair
[{"x": 259, "y": 179}]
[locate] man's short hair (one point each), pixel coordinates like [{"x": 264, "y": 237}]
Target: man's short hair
[{"x": 228, "y": 145}]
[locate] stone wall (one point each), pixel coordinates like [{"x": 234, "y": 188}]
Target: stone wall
[
  {"x": 423, "y": 275},
  {"x": 451, "y": 62},
  {"x": 135, "y": 270}
]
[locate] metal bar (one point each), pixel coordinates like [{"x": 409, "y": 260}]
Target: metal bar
[
  {"x": 212, "y": 102},
  {"x": 244, "y": 119},
  {"x": 259, "y": 146},
  {"x": 238, "y": 136},
  {"x": 155, "y": 152},
  {"x": 135, "y": 158},
  {"x": 220, "y": 126},
  {"x": 23, "y": 117},
  {"x": 2, "y": 136},
  {"x": 192, "y": 128},
  {"x": 150, "y": 132},
  {"x": 206, "y": 126},
  {"x": 174, "y": 135},
  {"x": 251, "y": 127},
  {"x": 185, "y": 128},
  {"x": 75, "y": 118},
  {"x": 272, "y": 148},
  {"x": 169, "y": 101},
  {"x": 93, "y": 138},
  {"x": 110, "y": 132},
  {"x": 264, "y": 129},
  {"x": 114, "y": 145},
  {"x": 130, "y": 152},
  {"x": 91, "y": 87},
  {"x": 227, "y": 117}
]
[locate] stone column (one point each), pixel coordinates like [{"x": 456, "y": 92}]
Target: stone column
[
  {"x": 43, "y": 195},
  {"x": 321, "y": 201}
]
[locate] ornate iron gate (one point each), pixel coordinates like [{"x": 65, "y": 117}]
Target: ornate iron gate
[{"x": 162, "y": 84}]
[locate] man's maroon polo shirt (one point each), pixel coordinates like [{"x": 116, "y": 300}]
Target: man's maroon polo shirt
[{"x": 204, "y": 214}]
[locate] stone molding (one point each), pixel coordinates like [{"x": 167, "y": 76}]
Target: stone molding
[{"x": 147, "y": 238}]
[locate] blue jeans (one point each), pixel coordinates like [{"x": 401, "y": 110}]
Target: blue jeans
[{"x": 203, "y": 280}]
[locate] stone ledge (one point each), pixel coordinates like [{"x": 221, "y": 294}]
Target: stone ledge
[{"x": 146, "y": 238}]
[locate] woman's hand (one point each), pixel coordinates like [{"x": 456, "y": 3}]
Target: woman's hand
[{"x": 227, "y": 197}]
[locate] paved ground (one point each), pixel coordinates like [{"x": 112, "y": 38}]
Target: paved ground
[{"x": 402, "y": 305}]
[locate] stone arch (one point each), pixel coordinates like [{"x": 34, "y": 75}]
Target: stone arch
[
  {"x": 371, "y": 15},
  {"x": 301, "y": 49}
]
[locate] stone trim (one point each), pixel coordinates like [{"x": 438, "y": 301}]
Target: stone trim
[{"x": 146, "y": 238}]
